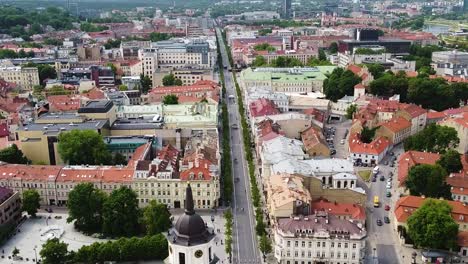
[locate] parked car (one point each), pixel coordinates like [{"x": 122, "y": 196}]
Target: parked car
[
  {"x": 389, "y": 194},
  {"x": 379, "y": 222},
  {"x": 382, "y": 178},
  {"x": 374, "y": 179},
  {"x": 332, "y": 152},
  {"x": 387, "y": 207},
  {"x": 386, "y": 220},
  {"x": 342, "y": 142}
]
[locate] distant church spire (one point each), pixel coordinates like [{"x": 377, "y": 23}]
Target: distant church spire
[{"x": 189, "y": 207}]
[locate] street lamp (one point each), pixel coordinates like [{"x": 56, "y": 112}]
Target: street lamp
[
  {"x": 212, "y": 221},
  {"x": 35, "y": 254},
  {"x": 374, "y": 255},
  {"x": 413, "y": 255}
]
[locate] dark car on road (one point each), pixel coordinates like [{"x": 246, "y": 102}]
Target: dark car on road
[
  {"x": 379, "y": 222},
  {"x": 382, "y": 178},
  {"x": 386, "y": 220}
]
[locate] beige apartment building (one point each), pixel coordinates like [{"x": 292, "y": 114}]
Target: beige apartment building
[
  {"x": 26, "y": 77},
  {"x": 460, "y": 124},
  {"x": 188, "y": 75},
  {"x": 10, "y": 207}
]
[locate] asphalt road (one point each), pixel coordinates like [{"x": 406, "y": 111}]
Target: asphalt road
[
  {"x": 382, "y": 238},
  {"x": 245, "y": 249}
]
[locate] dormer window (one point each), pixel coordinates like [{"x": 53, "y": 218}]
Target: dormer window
[
  {"x": 191, "y": 175},
  {"x": 200, "y": 176}
]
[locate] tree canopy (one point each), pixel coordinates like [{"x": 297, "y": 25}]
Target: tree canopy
[
  {"x": 433, "y": 94},
  {"x": 157, "y": 218},
  {"x": 432, "y": 226},
  {"x": 31, "y": 202},
  {"x": 170, "y": 80},
  {"x": 13, "y": 155},
  {"x": 90, "y": 27},
  {"x": 156, "y": 36},
  {"x": 451, "y": 161},
  {"x": 367, "y": 134},
  {"x": 121, "y": 213},
  {"x": 376, "y": 69},
  {"x": 54, "y": 252},
  {"x": 78, "y": 147},
  {"x": 282, "y": 62},
  {"x": 85, "y": 204},
  {"x": 146, "y": 83},
  {"x": 259, "y": 61},
  {"x": 170, "y": 99},
  {"x": 388, "y": 84},
  {"x": 340, "y": 83},
  {"x": 264, "y": 46},
  {"x": 428, "y": 180},
  {"x": 433, "y": 138},
  {"x": 351, "y": 110}
]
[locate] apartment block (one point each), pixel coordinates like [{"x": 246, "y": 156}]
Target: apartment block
[{"x": 26, "y": 77}]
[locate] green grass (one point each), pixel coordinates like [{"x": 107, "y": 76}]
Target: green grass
[{"x": 365, "y": 174}]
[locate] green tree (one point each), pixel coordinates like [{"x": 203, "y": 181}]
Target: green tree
[
  {"x": 31, "y": 202},
  {"x": 156, "y": 218},
  {"x": 432, "y": 93},
  {"x": 264, "y": 46},
  {"x": 121, "y": 213},
  {"x": 264, "y": 31},
  {"x": 89, "y": 27},
  {"x": 170, "y": 80},
  {"x": 156, "y": 36},
  {"x": 119, "y": 159},
  {"x": 451, "y": 161},
  {"x": 83, "y": 147},
  {"x": 84, "y": 205},
  {"x": 13, "y": 155},
  {"x": 339, "y": 84},
  {"x": 428, "y": 180},
  {"x": 45, "y": 71},
  {"x": 389, "y": 84},
  {"x": 432, "y": 226},
  {"x": 376, "y": 70},
  {"x": 57, "y": 90},
  {"x": 54, "y": 252},
  {"x": 146, "y": 83},
  {"x": 123, "y": 87},
  {"x": 259, "y": 61},
  {"x": 333, "y": 48},
  {"x": 170, "y": 99},
  {"x": 321, "y": 55},
  {"x": 433, "y": 138},
  {"x": 265, "y": 245},
  {"x": 282, "y": 62},
  {"x": 351, "y": 110},
  {"x": 112, "y": 66},
  {"x": 368, "y": 134},
  {"x": 312, "y": 62},
  {"x": 460, "y": 91}
]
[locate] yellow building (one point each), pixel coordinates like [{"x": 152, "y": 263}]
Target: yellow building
[{"x": 26, "y": 77}]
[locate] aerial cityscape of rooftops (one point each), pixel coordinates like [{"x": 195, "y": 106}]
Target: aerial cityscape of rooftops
[{"x": 234, "y": 131}]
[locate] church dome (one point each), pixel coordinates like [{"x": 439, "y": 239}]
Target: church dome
[{"x": 190, "y": 228}]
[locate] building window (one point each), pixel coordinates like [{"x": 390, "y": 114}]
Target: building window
[
  {"x": 318, "y": 244},
  {"x": 354, "y": 245}
]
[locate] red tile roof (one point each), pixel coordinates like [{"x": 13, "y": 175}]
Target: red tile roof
[
  {"x": 406, "y": 206},
  {"x": 312, "y": 137},
  {"x": 462, "y": 238},
  {"x": 4, "y": 130},
  {"x": 94, "y": 94},
  {"x": 396, "y": 124},
  {"x": 413, "y": 110},
  {"x": 353, "y": 211},
  {"x": 376, "y": 147},
  {"x": 194, "y": 92},
  {"x": 63, "y": 103},
  {"x": 434, "y": 115},
  {"x": 412, "y": 158},
  {"x": 29, "y": 172},
  {"x": 199, "y": 172},
  {"x": 263, "y": 107},
  {"x": 459, "y": 183}
]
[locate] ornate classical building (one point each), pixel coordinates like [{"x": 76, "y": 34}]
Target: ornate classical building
[{"x": 191, "y": 241}]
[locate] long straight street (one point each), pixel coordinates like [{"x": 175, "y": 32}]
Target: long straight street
[{"x": 245, "y": 249}]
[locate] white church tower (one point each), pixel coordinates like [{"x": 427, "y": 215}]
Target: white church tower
[{"x": 191, "y": 241}]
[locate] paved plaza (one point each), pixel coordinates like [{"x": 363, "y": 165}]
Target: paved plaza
[{"x": 31, "y": 235}]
